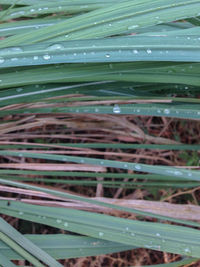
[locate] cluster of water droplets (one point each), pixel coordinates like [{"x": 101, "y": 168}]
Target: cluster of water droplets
[{"x": 9, "y": 51}]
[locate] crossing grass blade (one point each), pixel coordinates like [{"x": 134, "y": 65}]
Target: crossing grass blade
[
  {"x": 116, "y": 19},
  {"x": 61, "y": 246},
  {"x": 68, "y": 196},
  {"x": 24, "y": 247}
]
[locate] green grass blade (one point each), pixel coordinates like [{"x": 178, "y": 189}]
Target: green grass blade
[
  {"x": 157, "y": 236},
  {"x": 24, "y": 246},
  {"x": 63, "y": 246},
  {"x": 112, "y": 20},
  {"x": 5, "y": 261},
  {"x": 163, "y": 170},
  {"x": 121, "y": 49},
  {"x": 95, "y": 202}
]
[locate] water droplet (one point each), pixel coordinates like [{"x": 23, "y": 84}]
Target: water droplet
[
  {"x": 149, "y": 51},
  {"x": 96, "y": 110},
  {"x": 107, "y": 55},
  {"x": 133, "y": 234},
  {"x": 66, "y": 224},
  {"x": 187, "y": 251},
  {"x": 157, "y": 234},
  {"x": 125, "y": 165},
  {"x": 14, "y": 59},
  {"x": 116, "y": 109},
  {"x": 166, "y": 111},
  {"x": 137, "y": 167},
  {"x": 178, "y": 173},
  {"x": 58, "y": 221},
  {"x": 56, "y": 47},
  {"x": 75, "y": 54},
  {"x": 127, "y": 229},
  {"x": 158, "y": 110},
  {"x": 101, "y": 162},
  {"x": 46, "y": 57},
  {"x": 2, "y": 60},
  {"x": 82, "y": 160},
  {"x": 135, "y": 51},
  {"x": 35, "y": 57},
  {"x": 20, "y": 155},
  {"x": 32, "y": 10},
  {"x": 21, "y": 213},
  {"x": 101, "y": 234},
  {"x": 133, "y": 27},
  {"x": 43, "y": 217},
  {"x": 19, "y": 89}
]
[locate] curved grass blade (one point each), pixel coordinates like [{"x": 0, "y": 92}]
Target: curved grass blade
[
  {"x": 144, "y": 72},
  {"x": 112, "y": 20},
  {"x": 53, "y": 7},
  {"x": 119, "y": 49},
  {"x": 157, "y": 236}
]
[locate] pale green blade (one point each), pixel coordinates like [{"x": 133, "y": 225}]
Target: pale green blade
[{"x": 156, "y": 236}]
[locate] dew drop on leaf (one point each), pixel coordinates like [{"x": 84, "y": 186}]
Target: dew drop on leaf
[
  {"x": 101, "y": 233},
  {"x": 2, "y": 60},
  {"x": 55, "y": 47},
  {"x": 137, "y": 167},
  {"x": 46, "y": 57},
  {"x": 166, "y": 111},
  {"x": 116, "y": 109}
]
